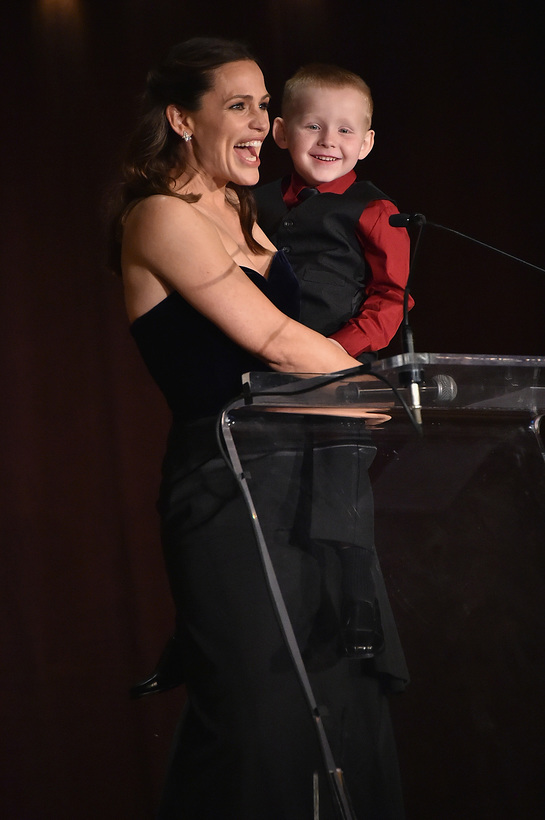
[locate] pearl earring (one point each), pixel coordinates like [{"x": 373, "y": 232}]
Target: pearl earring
[{"x": 186, "y": 137}]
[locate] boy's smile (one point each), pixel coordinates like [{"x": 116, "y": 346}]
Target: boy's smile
[{"x": 326, "y": 132}]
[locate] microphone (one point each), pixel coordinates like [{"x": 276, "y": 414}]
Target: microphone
[
  {"x": 442, "y": 389},
  {"x": 404, "y": 220}
]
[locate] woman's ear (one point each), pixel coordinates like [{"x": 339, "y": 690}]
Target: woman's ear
[
  {"x": 177, "y": 120},
  {"x": 279, "y": 132},
  {"x": 367, "y": 144}
]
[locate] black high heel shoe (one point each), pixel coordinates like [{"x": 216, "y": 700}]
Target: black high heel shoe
[
  {"x": 361, "y": 629},
  {"x": 168, "y": 673}
]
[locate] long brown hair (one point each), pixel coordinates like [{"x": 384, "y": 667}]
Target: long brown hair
[{"x": 155, "y": 153}]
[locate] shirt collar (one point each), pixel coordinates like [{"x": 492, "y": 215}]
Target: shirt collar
[{"x": 295, "y": 183}]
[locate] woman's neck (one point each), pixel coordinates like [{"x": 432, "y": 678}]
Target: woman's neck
[{"x": 200, "y": 184}]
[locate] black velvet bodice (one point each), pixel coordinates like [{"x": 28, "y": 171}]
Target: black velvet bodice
[{"x": 196, "y": 366}]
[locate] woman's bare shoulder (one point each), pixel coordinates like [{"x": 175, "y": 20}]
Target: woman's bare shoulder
[
  {"x": 160, "y": 210},
  {"x": 159, "y": 225}
]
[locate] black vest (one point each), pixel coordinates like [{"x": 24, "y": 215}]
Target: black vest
[{"x": 319, "y": 238}]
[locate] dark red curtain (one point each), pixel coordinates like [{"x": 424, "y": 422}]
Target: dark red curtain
[{"x": 85, "y": 606}]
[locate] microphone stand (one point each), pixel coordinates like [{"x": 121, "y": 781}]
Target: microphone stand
[{"x": 410, "y": 376}]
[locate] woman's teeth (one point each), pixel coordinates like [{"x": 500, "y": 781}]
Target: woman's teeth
[{"x": 251, "y": 145}]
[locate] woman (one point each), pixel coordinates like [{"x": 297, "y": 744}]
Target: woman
[{"x": 209, "y": 298}]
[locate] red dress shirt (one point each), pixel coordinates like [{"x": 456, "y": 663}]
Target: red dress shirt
[{"x": 387, "y": 253}]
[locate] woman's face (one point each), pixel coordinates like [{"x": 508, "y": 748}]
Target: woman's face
[{"x": 229, "y": 128}]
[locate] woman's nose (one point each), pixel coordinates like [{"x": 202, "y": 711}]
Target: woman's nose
[{"x": 260, "y": 120}]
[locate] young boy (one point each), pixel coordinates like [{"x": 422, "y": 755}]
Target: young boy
[
  {"x": 353, "y": 268},
  {"x": 351, "y": 264}
]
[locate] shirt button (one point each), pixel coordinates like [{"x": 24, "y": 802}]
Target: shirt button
[
  {"x": 286, "y": 249},
  {"x": 288, "y": 223}
]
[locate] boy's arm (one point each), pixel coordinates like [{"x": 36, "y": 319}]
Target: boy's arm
[{"x": 387, "y": 253}]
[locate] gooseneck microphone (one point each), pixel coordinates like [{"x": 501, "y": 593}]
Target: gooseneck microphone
[{"x": 410, "y": 376}]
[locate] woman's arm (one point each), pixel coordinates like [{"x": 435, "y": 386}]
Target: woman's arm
[{"x": 169, "y": 245}]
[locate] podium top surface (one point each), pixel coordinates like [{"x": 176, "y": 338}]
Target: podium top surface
[
  {"x": 446, "y": 381},
  {"x": 468, "y": 360}
]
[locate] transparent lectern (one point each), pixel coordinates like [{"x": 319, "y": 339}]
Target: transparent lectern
[{"x": 459, "y": 521}]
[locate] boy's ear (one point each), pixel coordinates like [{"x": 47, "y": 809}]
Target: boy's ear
[
  {"x": 279, "y": 132},
  {"x": 367, "y": 144}
]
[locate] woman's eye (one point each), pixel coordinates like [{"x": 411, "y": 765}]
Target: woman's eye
[
  {"x": 264, "y": 106},
  {"x": 238, "y": 105}
]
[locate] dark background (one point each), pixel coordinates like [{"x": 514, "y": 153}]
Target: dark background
[{"x": 85, "y": 607}]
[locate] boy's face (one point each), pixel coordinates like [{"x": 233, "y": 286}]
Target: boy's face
[{"x": 326, "y": 132}]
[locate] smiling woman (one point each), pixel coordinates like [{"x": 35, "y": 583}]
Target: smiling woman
[{"x": 208, "y": 299}]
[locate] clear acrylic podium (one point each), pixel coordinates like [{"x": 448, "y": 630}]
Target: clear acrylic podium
[{"x": 459, "y": 518}]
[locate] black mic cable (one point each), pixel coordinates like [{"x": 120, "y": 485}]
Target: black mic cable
[{"x": 404, "y": 220}]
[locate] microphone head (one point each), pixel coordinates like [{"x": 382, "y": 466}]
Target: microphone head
[
  {"x": 404, "y": 220},
  {"x": 447, "y": 389}
]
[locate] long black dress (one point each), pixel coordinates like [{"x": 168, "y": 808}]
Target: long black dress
[{"x": 246, "y": 747}]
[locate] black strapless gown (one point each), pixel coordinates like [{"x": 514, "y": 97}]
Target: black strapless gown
[{"x": 246, "y": 747}]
